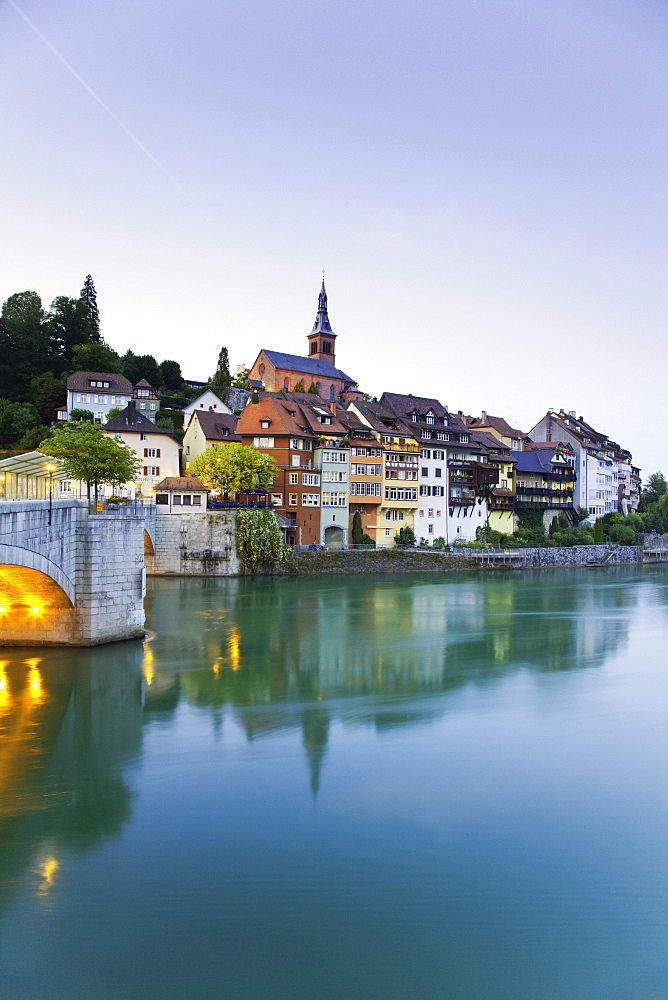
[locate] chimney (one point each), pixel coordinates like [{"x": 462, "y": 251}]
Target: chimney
[
  {"x": 332, "y": 407},
  {"x": 484, "y": 417},
  {"x": 571, "y": 413},
  {"x": 255, "y": 397}
]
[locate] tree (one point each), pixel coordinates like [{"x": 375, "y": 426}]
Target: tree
[
  {"x": 357, "y": 528},
  {"x": 15, "y": 420},
  {"x": 25, "y": 349},
  {"x": 78, "y": 415},
  {"x": 299, "y": 387},
  {"x": 46, "y": 392},
  {"x": 405, "y": 536},
  {"x": 258, "y": 539},
  {"x": 222, "y": 379},
  {"x": 87, "y": 453},
  {"x": 170, "y": 375},
  {"x": 89, "y": 300},
  {"x": 113, "y": 412},
  {"x": 313, "y": 389},
  {"x": 655, "y": 488},
  {"x": 135, "y": 367},
  {"x": 230, "y": 468},
  {"x": 95, "y": 357},
  {"x": 68, "y": 328},
  {"x": 240, "y": 380},
  {"x": 598, "y": 531}
]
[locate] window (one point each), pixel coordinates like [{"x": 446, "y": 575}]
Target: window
[
  {"x": 439, "y": 456},
  {"x": 365, "y": 490},
  {"x": 264, "y": 424},
  {"x": 187, "y": 500},
  {"x": 325, "y": 420},
  {"x": 161, "y": 498},
  {"x": 151, "y": 470},
  {"x": 438, "y": 473},
  {"x": 335, "y": 477},
  {"x": 310, "y": 479},
  {"x": 431, "y": 418},
  {"x": 152, "y": 406},
  {"x": 464, "y": 438},
  {"x": 442, "y": 436},
  {"x": 437, "y": 491},
  {"x": 356, "y": 469},
  {"x": 143, "y": 437},
  {"x": 310, "y": 500},
  {"x": 293, "y": 499},
  {"x": 425, "y": 435},
  {"x": 400, "y": 493},
  {"x": 263, "y": 442},
  {"x": 65, "y": 485},
  {"x": 143, "y": 393},
  {"x": 294, "y": 477},
  {"x": 424, "y": 491},
  {"x": 438, "y": 513},
  {"x": 197, "y": 500},
  {"x": 430, "y": 529},
  {"x": 151, "y": 453},
  {"x": 83, "y": 397},
  {"x": 387, "y": 531},
  {"x": 414, "y": 416},
  {"x": 421, "y": 513},
  {"x": 334, "y": 499},
  {"x": 334, "y": 456},
  {"x": 101, "y": 399},
  {"x": 394, "y": 515},
  {"x": 424, "y": 471},
  {"x": 425, "y": 453},
  {"x": 187, "y": 449},
  {"x": 277, "y": 499},
  {"x": 142, "y": 406},
  {"x": 430, "y": 512}
]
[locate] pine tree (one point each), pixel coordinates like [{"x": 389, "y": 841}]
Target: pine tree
[
  {"x": 88, "y": 296},
  {"x": 222, "y": 378}
]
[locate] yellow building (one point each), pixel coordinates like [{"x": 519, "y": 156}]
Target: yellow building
[
  {"x": 206, "y": 428},
  {"x": 400, "y": 489}
]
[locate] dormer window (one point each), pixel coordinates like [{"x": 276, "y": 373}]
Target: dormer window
[
  {"x": 464, "y": 438},
  {"x": 265, "y": 424},
  {"x": 430, "y": 418},
  {"x": 445, "y": 420},
  {"x": 143, "y": 392},
  {"x": 97, "y": 385},
  {"x": 325, "y": 420},
  {"x": 414, "y": 416}
]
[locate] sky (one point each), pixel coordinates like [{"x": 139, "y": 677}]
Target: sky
[{"x": 483, "y": 182}]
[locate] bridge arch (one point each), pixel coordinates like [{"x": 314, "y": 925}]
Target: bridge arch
[
  {"x": 12, "y": 556},
  {"x": 149, "y": 549}
]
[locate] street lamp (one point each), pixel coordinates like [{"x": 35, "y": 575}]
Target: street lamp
[{"x": 50, "y": 469}]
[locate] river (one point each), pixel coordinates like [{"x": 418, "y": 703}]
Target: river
[{"x": 345, "y": 788}]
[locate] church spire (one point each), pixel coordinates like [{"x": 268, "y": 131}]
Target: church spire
[
  {"x": 322, "y": 324},
  {"x": 322, "y": 338}
]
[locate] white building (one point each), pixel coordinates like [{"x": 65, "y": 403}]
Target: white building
[
  {"x": 97, "y": 392},
  {"x": 156, "y": 447},
  {"x": 207, "y": 401}
]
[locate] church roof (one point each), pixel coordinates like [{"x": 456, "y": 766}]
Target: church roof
[{"x": 309, "y": 366}]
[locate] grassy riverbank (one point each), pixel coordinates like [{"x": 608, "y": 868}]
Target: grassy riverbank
[{"x": 378, "y": 561}]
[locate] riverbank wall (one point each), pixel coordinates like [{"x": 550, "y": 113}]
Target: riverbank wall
[{"x": 429, "y": 560}]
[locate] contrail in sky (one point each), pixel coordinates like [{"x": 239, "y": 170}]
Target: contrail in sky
[{"x": 105, "y": 107}]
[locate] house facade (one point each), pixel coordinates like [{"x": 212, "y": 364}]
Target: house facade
[
  {"x": 97, "y": 392},
  {"x": 605, "y": 480},
  {"x": 545, "y": 480},
  {"x": 156, "y": 447},
  {"x": 206, "y": 428},
  {"x": 208, "y": 401}
]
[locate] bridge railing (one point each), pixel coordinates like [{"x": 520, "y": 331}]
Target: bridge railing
[{"x": 124, "y": 507}]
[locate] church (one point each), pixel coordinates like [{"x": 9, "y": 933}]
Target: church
[{"x": 279, "y": 372}]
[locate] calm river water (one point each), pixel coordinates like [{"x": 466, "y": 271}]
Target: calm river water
[{"x": 444, "y": 788}]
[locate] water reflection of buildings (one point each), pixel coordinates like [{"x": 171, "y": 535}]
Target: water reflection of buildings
[
  {"x": 273, "y": 655},
  {"x": 286, "y": 654}
]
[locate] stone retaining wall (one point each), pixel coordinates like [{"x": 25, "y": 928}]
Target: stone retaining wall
[{"x": 200, "y": 544}]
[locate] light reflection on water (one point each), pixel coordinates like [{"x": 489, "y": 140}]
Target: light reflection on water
[{"x": 324, "y": 788}]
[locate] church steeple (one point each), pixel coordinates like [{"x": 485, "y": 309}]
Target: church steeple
[{"x": 321, "y": 338}]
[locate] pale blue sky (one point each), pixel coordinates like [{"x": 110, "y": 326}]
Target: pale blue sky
[{"x": 484, "y": 182}]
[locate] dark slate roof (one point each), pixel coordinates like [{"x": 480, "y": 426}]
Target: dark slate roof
[
  {"x": 78, "y": 382},
  {"x": 405, "y": 404},
  {"x": 217, "y": 426},
  {"x": 537, "y": 462},
  {"x": 133, "y": 421},
  {"x": 309, "y": 366}
]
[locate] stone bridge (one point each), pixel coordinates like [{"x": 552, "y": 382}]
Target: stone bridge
[{"x": 68, "y": 577}]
